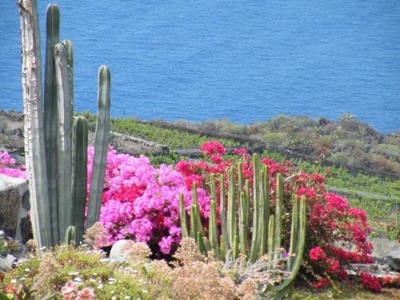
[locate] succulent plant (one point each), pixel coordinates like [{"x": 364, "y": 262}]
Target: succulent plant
[
  {"x": 55, "y": 143},
  {"x": 247, "y": 228}
]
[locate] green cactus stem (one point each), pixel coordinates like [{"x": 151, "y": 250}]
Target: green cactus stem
[
  {"x": 182, "y": 211},
  {"x": 231, "y": 212},
  {"x": 70, "y": 235},
  {"x": 212, "y": 225},
  {"x": 101, "y": 145},
  {"x": 56, "y": 166},
  {"x": 284, "y": 287},
  {"x": 51, "y": 112},
  {"x": 64, "y": 159},
  {"x": 278, "y": 218},
  {"x": 79, "y": 175}
]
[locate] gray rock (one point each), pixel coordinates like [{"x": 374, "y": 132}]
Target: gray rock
[
  {"x": 393, "y": 260},
  {"x": 382, "y": 248},
  {"x": 14, "y": 205},
  {"x": 6, "y": 262},
  {"x": 120, "y": 251}
]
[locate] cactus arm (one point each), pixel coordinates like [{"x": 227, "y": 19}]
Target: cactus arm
[
  {"x": 265, "y": 203},
  {"x": 79, "y": 175},
  {"x": 271, "y": 238},
  {"x": 278, "y": 217},
  {"x": 51, "y": 112},
  {"x": 64, "y": 140},
  {"x": 33, "y": 126},
  {"x": 231, "y": 212},
  {"x": 101, "y": 146},
  {"x": 293, "y": 232},
  {"x": 70, "y": 61},
  {"x": 70, "y": 235},
  {"x": 193, "y": 223},
  {"x": 235, "y": 247},
  {"x": 182, "y": 213},
  {"x": 254, "y": 250},
  {"x": 196, "y": 209},
  {"x": 284, "y": 287},
  {"x": 212, "y": 225},
  {"x": 224, "y": 228},
  {"x": 222, "y": 248},
  {"x": 243, "y": 224}
]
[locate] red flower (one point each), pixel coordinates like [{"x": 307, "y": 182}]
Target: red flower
[
  {"x": 370, "y": 282},
  {"x": 240, "y": 151},
  {"x": 323, "y": 282},
  {"x": 334, "y": 265},
  {"x": 305, "y": 191},
  {"x": 317, "y": 253},
  {"x": 212, "y": 147}
]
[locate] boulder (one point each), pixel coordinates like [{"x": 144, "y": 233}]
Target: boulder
[
  {"x": 14, "y": 205},
  {"x": 383, "y": 248},
  {"x": 7, "y": 262},
  {"x": 120, "y": 251},
  {"x": 393, "y": 260}
]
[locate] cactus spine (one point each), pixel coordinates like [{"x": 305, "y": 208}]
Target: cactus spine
[
  {"x": 266, "y": 234},
  {"x": 55, "y": 143}
]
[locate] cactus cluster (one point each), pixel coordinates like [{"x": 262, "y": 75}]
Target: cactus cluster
[
  {"x": 246, "y": 225},
  {"x": 56, "y": 142}
]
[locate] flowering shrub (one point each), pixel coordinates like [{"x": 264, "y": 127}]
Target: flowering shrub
[
  {"x": 333, "y": 227},
  {"x": 142, "y": 202}
]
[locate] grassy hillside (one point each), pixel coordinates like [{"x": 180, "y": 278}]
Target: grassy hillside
[{"x": 357, "y": 161}]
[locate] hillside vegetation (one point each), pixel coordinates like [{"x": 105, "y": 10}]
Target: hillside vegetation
[{"x": 357, "y": 160}]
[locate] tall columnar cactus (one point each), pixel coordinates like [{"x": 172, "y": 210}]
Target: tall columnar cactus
[
  {"x": 256, "y": 232},
  {"x": 55, "y": 143}
]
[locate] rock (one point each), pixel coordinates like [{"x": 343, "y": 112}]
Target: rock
[
  {"x": 393, "y": 260},
  {"x": 120, "y": 250},
  {"x": 14, "y": 205},
  {"x": 382, "y": 248},
  {"x": 6, "y": 262},
  {"x": 386, "y": 255}
]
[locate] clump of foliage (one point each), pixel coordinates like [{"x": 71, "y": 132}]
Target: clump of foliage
[
  {"x": 68, "y": 272},
  {"x": 332, "y": 224}
]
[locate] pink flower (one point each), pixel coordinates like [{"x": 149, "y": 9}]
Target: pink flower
[
  {"x": 69, "y": 291},
  {"x": 85, "y": 294},
  {"x": 8, "y": 166}
]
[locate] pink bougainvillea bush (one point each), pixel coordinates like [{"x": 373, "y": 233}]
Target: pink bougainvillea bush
[
  {"x": 9, "y": 167},
  {"x": 142, "y": 202}
]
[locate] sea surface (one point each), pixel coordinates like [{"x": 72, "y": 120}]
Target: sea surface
[{"x": 245, "y": 61}]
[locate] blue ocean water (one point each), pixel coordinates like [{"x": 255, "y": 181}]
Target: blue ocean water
[{"x": 245, "y": 61}]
